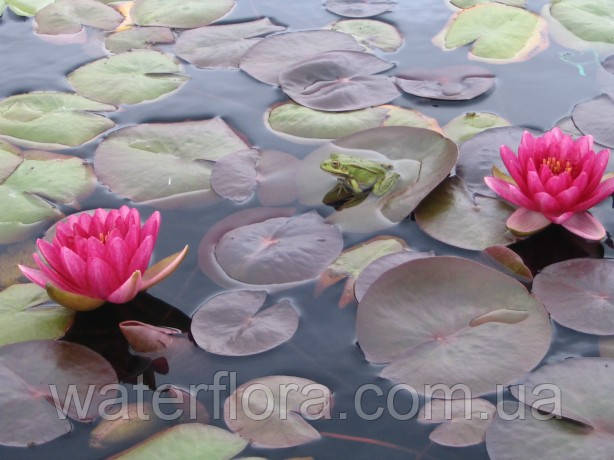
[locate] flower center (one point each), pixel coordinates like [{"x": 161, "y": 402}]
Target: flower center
[
  {"x": 556, "y": 167},
  {"x": 103, "y": 237}
]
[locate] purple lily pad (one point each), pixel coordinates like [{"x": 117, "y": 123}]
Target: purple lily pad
[
  {"x": 266, "y": 59},
  {"x": 420, "y": 317},
  {"x": 230, "y": 324},
  {"x": 338, "y": 81},
  {"x": 359, "y": 8},
  {"x": 579, "y": 294},
  {"x": 605, "y": 75},
  {"x": 455, "y": 83},
  {"x": 27, "y": 369},
  {"x": 595, "y": 117}
]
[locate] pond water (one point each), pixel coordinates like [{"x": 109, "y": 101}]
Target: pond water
[{"x": 535, "y": 93}]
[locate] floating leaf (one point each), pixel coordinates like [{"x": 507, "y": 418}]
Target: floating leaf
[
  {"x": 590, "y": 20},
  {"x": 10, "y": 257},
  {"x": 69, "y": 17},
  {"x": 471, "y": 3},
  {"x": 222, "y": 46},
  {"x": 371, "y": 33},
  {"x": 146, "y": 338},
  {"x": 605, "y": 75},
  {"x": 138, "y": 38},
  {"x": 285, "y": 425},
  {"x": 456, "y": 83},
  {"x": 185, "y": 442},
  {"x": 230, "y": 324},
  {"x": 359, "y": 8},
  {"x": 165, "y": 164},
  {"x": 24, "y": 7},
  {"x": 499, "y": 33},
  {"x": 511, "y": 262},
  {"x": 24, "y": 317},
  {"x": 454, "y": 215},
  {"x": 266, "y": 59},
  {"x": 595, "y": 117},
  {"x": 124, "y": 424},
  {"x": 421, "y": 316},
  {"x": 179, "y": 14},
  {"x": 467, "y": 125},
  {"x": 305, "y": 123},
  {"x": 338, "y": 81},
  {"x": 39, "y": 119},
  {"x": 579, "y": 294},
  {"x": 128, "y": 78}
]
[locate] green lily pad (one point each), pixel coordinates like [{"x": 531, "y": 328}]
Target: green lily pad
[
  {"x": 69, "y": 17},
  {"x": 590, "y": 20},
  {"x": 165, "y": 164},
  {"x": 13, "y": 255},
  {"x": 39, "y": 119},
  {"x": 499, "y": 33},
  {"x": 471, "y": 3},
  {"x": 179, "y": 14},
  {"x": 22, "y": 317},
  {"x": 24, "y": 7},
  {"x": 467, "y": 125},
  {"x": 297, "y": 121},
  {"x": 371, "y": 33},
  {"x": 128, "y": 78},
  {"x": 138, "y": 38}
]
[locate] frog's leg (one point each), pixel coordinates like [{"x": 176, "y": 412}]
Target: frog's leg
[
  {"x": 386, "y": 184},
  {"x": 355, "y": 200},
  {"x": 354, "y": 185}
]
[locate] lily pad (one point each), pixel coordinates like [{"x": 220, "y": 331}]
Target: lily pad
[
  {"x": 338, "y": 81},
  {"x": 456, "y": 83},
  {"x": 69, "y": 17},
  {"x": 471, "y": 3},
  {"x": 467, "y": 125},
  {"x": 454, "y": 215},
  {"x": 24, "y": 7},
  {"x": 185, "y": 442},
  {"x": 421, "y": 316},
  {"x": 222, "y": 46},
  {"x": 36, "y": 373},
  {"x": 125, "y": 424},
  {"x": 503, "y": 257},
  {"x": 257, "y": 411},
  {"x": 26, "y": 317},
  {"x": 165, "y": 164},
  {"x": 359, "y": 8},
  {"x": 28, "y": 192},
  {"x": 13, "y": 255},
  {"x": 230, "y": 324},
  {"x": 179, "y": 14},
  {"x": 301, "y": 122},
  {"x": 146, "y": 338},
  {"x": 499, "y": 33},
  {"x": 584, "y": 431},
  {"x": 138, "y": 38},
  {"x": 595, "y": 117},
  {"x": 265, "y": 60},
  {"x": 605, "y": 75},
  {"x": 590, "y": 20},
  {"x": 371, "y": 33},
  {"x": 128, "y": 78},
  {"x": 39, "y": 119},
  {"x": 579, "y": 294}
]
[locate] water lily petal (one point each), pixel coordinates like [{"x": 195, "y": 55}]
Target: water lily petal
[
  {"x": 127, "y": 291},
  {"x": 74, "y": 267},
  {"x": 95, "y": 248},
  {"x": 585, "y": 225},
  {"x": 34, "y": 275},
  {"x": 101, "y": 276},
  {"x": 547, "y": 203},
  {"x": 604, "y": 189},
  {"x": 151, "y": 227},
  {"x": 50, "y": 253},
  {"x": 53, "y": 276},
  {"x": 141, "y": 257},
  {"x": 118, "y": 256},
  {"x": 524, "y": 222},
  {"x": 510, "y": 160},
  {"x": 534, "y": 183},
  {"x": 71, "y": 300},
  {"x": 508, "y": 192},
  {"x": 556, "y": 184},
  {"x": 569, "y": 196},
  {"x": 601, "y": 162},
  {"x": 163, "y": 268}
]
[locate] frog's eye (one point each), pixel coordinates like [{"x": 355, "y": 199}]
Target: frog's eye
[{"x": 335, "y": 164}]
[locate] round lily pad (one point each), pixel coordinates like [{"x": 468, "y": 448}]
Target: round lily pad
[
  {"x": 420, "y": 317},
  {"x": 179, "y": 14},
  {"x": 605, "y": 75},
  {"x": 138, "y": 38},
  {"x": 128, "y": 78},
  {"x": 471, "y": 3},
  {"x": 165, "y": 164},
  {"x": 467, "y": 125},
  {"x": 39, "y": 119},
  {"x": 590, "y": 20},
  {"x": 69, "y": 17},
  {"x": 338, "y": 81},
  {"x": 371, "y": 33},
  {"x": 266, "y": 59},
  {"x": 587, "y": 303},
  {"x": 232, "y": 324},
  {"x": 359, "y": 8},
  {"x": 595, "y": 117},
  {"x": 456, "y": 83},
  {"x": 222, "y": 46},
  {"x": 285, "y": 425}
]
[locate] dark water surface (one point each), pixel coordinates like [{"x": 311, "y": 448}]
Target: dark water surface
[{"x": 535, "y": 93}]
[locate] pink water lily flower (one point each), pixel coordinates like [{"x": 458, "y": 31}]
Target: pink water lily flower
[
  {"x": 100, "y": 257},
  {"x": 554, "y": 179}
]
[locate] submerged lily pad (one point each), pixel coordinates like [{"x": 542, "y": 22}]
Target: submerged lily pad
[
  {"x": 24, "y": 7},
  {"x": 128, "y": 78},
  {"x": 338, "y": 81},
  {"x": 69, "y": 17},
  {"x": 257, "y": 411},
  {"x": 499, "y": 33},
  {"x": 231, "y": 324},
  {"x": 222, "y": 46},
  {"x": 305, "y": 123},
  {"x": 371, "y": 33},
  {"x": 456, "y": 83},
  {"x": 467, "y": 125},
  {"x": 39, "y": 119},
  {"x": 595, "y": 117},
  {"x": 138, "y": 38},
  {"x": 421, "y": 316},
  {"x": 265, "y": 60},
  {"x": 579, "y": 294},
  {"x": 359, "y": 8},
  {"x": 25, "y": 317},
  {"x": 165, "y": 164},
  {"x": 179, "y": 14}
]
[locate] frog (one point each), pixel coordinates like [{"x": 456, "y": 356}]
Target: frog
[{"x": 360, "y": 175}]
